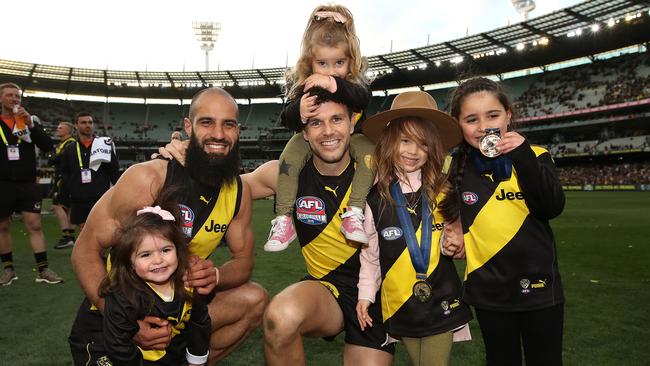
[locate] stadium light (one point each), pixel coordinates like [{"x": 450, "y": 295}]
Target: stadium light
[
  {"x": 523, "y": 7},
  {"x": 611, "y": 22},
  {"x": 207, "y": 34},
  {"x": 595, "y": 28},
  {"x": 520, "y": 46}
]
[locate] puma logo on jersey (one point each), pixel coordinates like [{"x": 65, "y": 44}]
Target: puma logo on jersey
[
  {"x": 207, "y": 202},
  {"x": 333, "y": 190}
]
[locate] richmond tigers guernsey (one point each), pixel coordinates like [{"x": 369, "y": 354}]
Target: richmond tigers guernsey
[
  {"x": 206, "y": 211},
  {"x": 206, "y": 214},
  {"x": 317, "y": 216},
  {"x": 510, "y": 248},
  {"x": 403, "y": 314}
]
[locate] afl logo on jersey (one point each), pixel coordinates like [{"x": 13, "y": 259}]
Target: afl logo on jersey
[
  {"x": 470, "y": 198},
  {"x": 187, "y": 220},
  {"x": 391, "y": 233},
  {"x": 311, "y": 210}
]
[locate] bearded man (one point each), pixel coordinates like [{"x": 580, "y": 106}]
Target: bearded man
[{"x": 215, "y": 205}]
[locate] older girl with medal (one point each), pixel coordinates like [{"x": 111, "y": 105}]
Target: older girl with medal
[
  {"x": 405, "y": 220},
  {"x": 508, "y": 190}
]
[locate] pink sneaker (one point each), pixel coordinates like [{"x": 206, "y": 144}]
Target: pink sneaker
[
  {"x": 352, "y": 225},
  {"x": 282, "y": 233}
]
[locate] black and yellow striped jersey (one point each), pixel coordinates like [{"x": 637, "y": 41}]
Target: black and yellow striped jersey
[
  {"x": 206, "y": 211},
  {"x": 120, "y": 325},
  {"x": 319, "y": 204},
  {"x": 403, "y": 314},
  {"x": 511, "y": 252}
]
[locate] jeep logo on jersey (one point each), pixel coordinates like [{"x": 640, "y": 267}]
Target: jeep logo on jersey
[
  {"x": 187, "y": 220},
  {"x": 311, "y": 210},
  {"x": 391, "y": 233},
  {"x": 470, "y": 198},
  {"x": 511, "y": 196}
]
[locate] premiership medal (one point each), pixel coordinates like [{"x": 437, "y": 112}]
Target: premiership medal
[
  {"x": 488, "y": 143},
  {"x": 422, "y": 291},
  {"x": 420, "y": 254}
]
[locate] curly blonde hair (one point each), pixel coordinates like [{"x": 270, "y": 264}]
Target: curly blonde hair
[{"x": 327, "y": 32}]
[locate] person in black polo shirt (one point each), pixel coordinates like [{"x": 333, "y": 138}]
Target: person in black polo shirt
[
  {"x": 19, "y": 134},
  {"x": 89, "y": 168}
]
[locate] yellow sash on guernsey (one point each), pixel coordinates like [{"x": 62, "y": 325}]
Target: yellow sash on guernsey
[
  {"x": 178, "y": 324},
  {"x": 329, "y": 249},
  {"x": 204, "y": 242},
  {"x": 400, "y": 278},
  {"x": 496, "y": 224}
]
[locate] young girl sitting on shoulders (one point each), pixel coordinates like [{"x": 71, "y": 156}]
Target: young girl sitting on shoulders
[
  {"x": 146, "y": 278},
  {"x": 330, "y": 58},
  {"x": 406, "y": 215}
]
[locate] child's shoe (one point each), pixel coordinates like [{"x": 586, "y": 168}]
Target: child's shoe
[
  {"x": 352, "y": 225},
  {"x": 282, "y": 233}
]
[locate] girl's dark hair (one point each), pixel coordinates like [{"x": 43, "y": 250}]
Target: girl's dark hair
[
  {"x": 122, "y": 278},
  {"x": 451, "y": 203}
]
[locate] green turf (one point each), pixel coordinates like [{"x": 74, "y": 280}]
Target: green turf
[{"x": 603, "y": 241}]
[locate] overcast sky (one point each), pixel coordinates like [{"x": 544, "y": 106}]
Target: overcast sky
[{"x": 158, "y": 35}]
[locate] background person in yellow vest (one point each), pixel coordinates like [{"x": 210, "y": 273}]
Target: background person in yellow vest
[
  {"x": 89, "y": 167},
  {"x": 214, "y": 205},
  {"x": 61, "y": 194},
  {"x": 19, "y": 192}
]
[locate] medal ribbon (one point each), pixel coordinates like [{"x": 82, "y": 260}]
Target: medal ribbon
[{"x": 420, "y": 254}]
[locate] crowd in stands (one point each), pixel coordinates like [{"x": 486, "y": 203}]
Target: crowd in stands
[
  {"x": 610, "y": 173},
  {"x": 602, "y": 82}
]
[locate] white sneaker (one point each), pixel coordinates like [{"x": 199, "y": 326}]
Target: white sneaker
[{"x": 282, "y": 233}]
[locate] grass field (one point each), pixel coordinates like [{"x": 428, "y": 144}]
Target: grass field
[{"x": 604, "y": 252}]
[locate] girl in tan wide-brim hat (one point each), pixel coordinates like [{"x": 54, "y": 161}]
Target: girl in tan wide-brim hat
[{"x": 420, "y": 291}]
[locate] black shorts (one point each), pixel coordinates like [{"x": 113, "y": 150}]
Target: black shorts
[
  {"x": 61, "y": 195},
  {"x": 19, "y": 197},
  {"x": 372, "y": 337},
  {"x": 79, "y": 212},
  {"x": 86, "y": 337}
]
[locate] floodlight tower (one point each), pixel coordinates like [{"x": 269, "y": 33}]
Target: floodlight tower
[
  {"x": 524, "y": 7},
  {"x": 206, "y": 33}
]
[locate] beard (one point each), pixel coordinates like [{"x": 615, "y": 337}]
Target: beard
[{"x": 211, "y": 169}]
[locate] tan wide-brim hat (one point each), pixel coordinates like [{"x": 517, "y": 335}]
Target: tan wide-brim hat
[{"x": 415, "y": 104}]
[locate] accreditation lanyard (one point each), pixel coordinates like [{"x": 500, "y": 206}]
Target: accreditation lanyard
[
  {"x": 86, "y": 175},
  {"x": 420, "y": 254},
  {"x": 13, "y": 152}
]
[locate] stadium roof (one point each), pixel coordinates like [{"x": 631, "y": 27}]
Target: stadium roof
[{"x": 554, "y": 37}]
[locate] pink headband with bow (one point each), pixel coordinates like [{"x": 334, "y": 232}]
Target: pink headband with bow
[
  {"x": 338, "y": 17},
  {"x": 164, "y": 214}
]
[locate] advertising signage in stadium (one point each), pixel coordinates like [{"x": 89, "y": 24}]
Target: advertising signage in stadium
[{"x": 607, "y": 187}]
